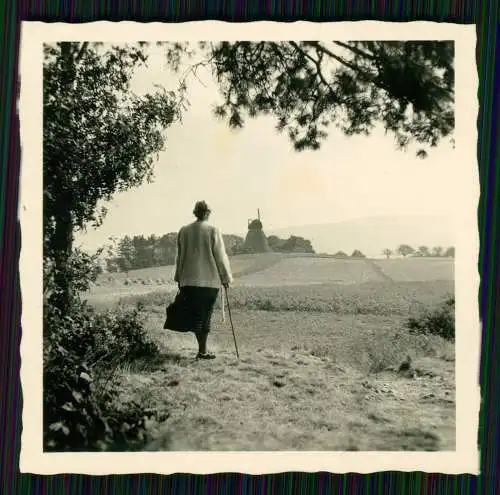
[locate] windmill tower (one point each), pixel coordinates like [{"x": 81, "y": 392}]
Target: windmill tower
[{"x": 256, "y": 240}]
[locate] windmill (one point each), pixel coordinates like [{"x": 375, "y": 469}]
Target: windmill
[{"x": 256, "y": 240}]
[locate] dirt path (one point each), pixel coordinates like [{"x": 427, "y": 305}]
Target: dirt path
[{"x": 378, "y": 270}]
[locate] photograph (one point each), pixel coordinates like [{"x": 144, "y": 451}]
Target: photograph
[
  {"x": 249, "y": 245},
  {"x": 340, "y": 292}
]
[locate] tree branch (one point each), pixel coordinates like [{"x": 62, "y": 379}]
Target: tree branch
[
  {"x": 275, "y": 49},
  {"x": 368, "y": 77},
  {"x": 317, "y": 63},
  {"x": 355, "y": 50},
  {"x": 193, "y": 69}
]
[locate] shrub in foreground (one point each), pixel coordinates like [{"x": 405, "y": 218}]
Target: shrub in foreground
[
  {"x": 439, "y": 321},
  {"x": 83, "y": 351}
]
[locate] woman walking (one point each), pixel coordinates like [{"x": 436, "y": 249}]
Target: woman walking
[{"x": 202, "y": 265}]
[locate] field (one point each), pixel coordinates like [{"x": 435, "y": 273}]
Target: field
[{"x": 320, "y": 342}]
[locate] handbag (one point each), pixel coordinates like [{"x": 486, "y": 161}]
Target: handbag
[{"x": 177, "y": 315}]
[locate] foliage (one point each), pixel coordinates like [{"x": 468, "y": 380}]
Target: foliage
[
  {"x": 297, "y": 244},
  {"x": 407, "y": 86},
  {"x": 405, "y": 250},
  {"x": 357, "y": 254},
  {"x": 275, "y": 242},
  {"x": 82, "y": 351},
  {"x": 112, "y": 265},
  {"x": 439, "y": 321},
  {"x": 341, "y": 255},
  {"x": 99, "y": 138},
  {"x": 450, "y": 252},
  {"x": 437, "y": 251},
  {"x": 136, "y": 252},
  {"x": 139, "y": 252},
  {"x": 387, "y": 252},
  {"x": 422, "y": 251},
  {"x": 79, "y": 271},
  {"x": 234, "y": 244},
  {"x": 294, "y": 244}
]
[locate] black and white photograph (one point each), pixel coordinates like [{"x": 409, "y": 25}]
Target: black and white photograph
[{"x": 251, "y": 244}]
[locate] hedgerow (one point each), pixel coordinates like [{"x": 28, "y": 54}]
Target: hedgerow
[{"x": 83, "y": 352}]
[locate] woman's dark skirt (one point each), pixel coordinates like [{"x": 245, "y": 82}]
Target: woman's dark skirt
[{"x": 195, "y": 306}]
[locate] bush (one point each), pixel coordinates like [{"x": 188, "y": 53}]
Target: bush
[
  {"x": 340, "y": 255},
  {"x": 100, "y": 337},
  {"x": 439, "y": 321},
  {"x": 357, "y": 254},
  {"x": 84, "y": 414},
  {"x": 83, "y": 350}
]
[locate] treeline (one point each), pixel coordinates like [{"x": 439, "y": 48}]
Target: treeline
[
  {"x": 135, "y": 252},
  {"x": 294, "y": 244},
  {"x": 406, "y": 250}
]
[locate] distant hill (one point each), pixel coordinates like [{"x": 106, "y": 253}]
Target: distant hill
[{"x": 372, "y": 235}]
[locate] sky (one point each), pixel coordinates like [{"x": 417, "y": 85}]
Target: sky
[{"x": 237, "y": 172}]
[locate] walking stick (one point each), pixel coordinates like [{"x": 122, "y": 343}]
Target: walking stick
[
  {"x": 231, "y": 321},
  {"x": 223, "y": 309}
]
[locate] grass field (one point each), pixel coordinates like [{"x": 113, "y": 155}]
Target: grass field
[{"x": 320, "y": 341}]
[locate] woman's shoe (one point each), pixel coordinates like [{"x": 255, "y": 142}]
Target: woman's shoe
[{"x": 206, "y": 355}]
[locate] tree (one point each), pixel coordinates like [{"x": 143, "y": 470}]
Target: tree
[
  {"x": 357, "y": 254},
  {"x": 297, "y": 244},
  {"x": 234, "y": 244},
  {"x": 340, "y": 255},
  {"x": 407, "y": 86},
  {"x": 112, "y": 265},
  {"x": 126, "y": 252},
  {"x": 99, "y": 138},
  {"x": 437, "y": 251},
  {"x": 405, "y": 250},
  {"x": 144, "y": 252},
  {"x": 275, "y": 243},
  {"x": 450, "y": 252},
  {"x": 294, "y": 244},
  {"x": 165, "y": 249},
  {"x": 423, "y": 251},
  {"x": 387, "y": 253}
]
